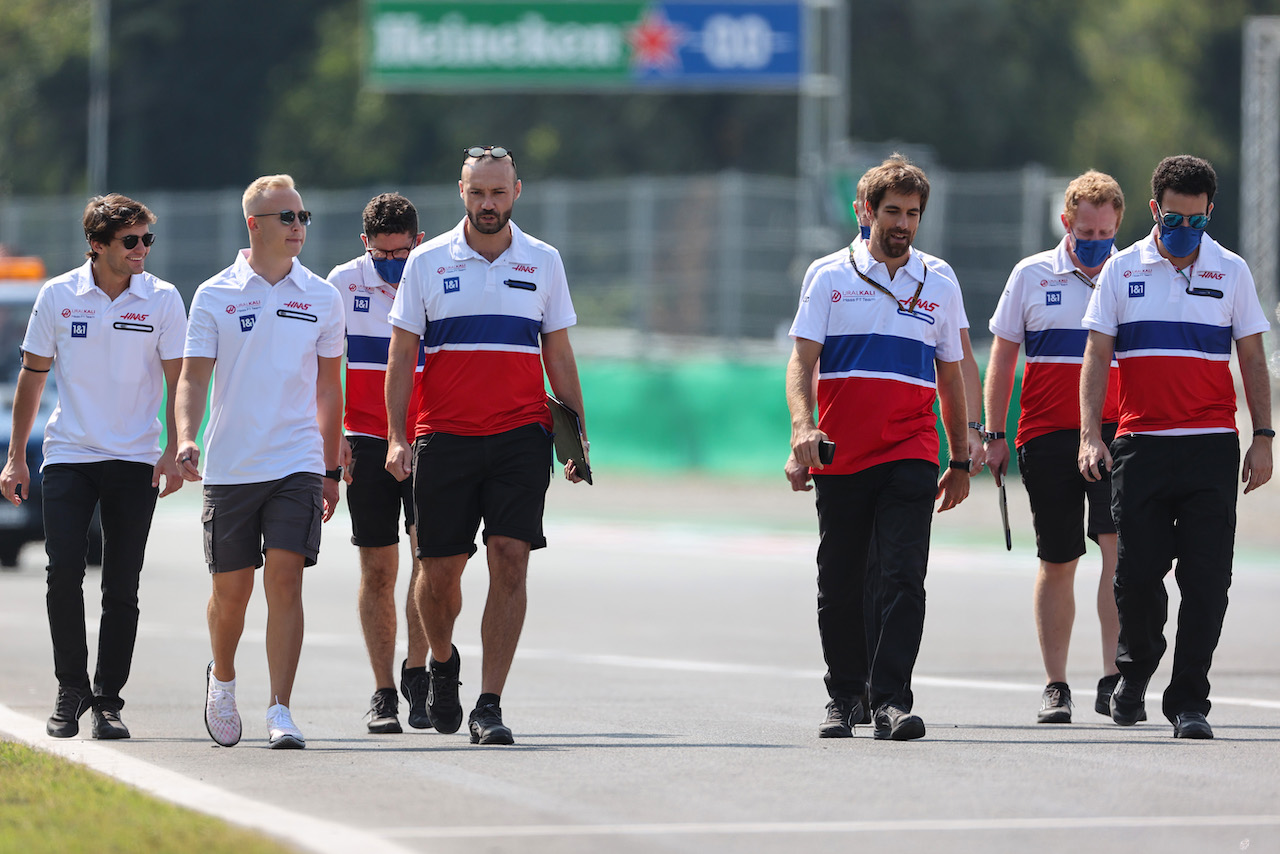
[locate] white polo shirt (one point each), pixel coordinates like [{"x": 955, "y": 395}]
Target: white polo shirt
[
  {"x": 106, "y": 362},
  {"x": 266, "y": 339},
  {"x": 1043, "y": 306},
  {"x": 876, "y": 376},
  {"x": 483, "y": 371},
  {"x": 1174, "y": 347}
]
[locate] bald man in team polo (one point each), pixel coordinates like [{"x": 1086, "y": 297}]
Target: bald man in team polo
[
  {"x": 375, "y": 499},
  {"x": 1169, "y": 307},
  {"x": 1043, "y": 305},
  {"x": 881, "y": 329},
  {"x": 111, "y": 334},
  {"x": 269, "y": 333},
  {"x": 484, "y": 295}
]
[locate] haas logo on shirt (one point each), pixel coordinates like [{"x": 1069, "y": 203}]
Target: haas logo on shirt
[
  {"x": 133, "y": 316},
  {"x": 301, "y": 306},
  {"x": 1215, "y": 276},
  {"x": 524, "y": 268}
]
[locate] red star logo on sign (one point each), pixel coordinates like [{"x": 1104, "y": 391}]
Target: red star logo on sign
[{"x": 655, "y": 41}]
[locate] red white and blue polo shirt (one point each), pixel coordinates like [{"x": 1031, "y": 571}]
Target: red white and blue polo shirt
[
  {"x": 481, "y": 322},
  {"x": 1174, "y": 347},
  {"x": 367, "y": 300},
  {"x": 876, "y": 375},
  {"x": 1043, "y": 307}
]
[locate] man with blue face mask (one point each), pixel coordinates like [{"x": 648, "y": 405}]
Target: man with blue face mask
[
  {"x": 1042, "y": 306},
  {"x": 368, "y": 285},
  {"x": 1169, "y": 307}
]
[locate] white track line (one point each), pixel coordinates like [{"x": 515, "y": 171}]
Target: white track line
[{"x": 302, "y": 831}]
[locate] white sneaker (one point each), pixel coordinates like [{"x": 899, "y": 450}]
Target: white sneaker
[
  {"x": 220, "y": 715},
  {"x": 280, "y": 729}
]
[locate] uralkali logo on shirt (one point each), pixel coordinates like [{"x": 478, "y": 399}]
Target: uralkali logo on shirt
[
  {"x": 79, "y": 312},
  {"x": 244, "y": 306}
]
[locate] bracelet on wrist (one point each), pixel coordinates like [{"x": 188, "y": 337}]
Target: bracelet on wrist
[
  {"x": 1265, "y": 431},
  {"x": 962, "y": 465}
]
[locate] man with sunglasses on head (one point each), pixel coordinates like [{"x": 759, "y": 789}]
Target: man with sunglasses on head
[
  {"x": 112, "y": 335},
  {"x": 367, "y": 285},
  {"x": 493, "y": 305},
  {"x": 881, "y": 331},
  {"x": 1169, "y": 307},
  {"x": 268, "y": 332},
  {"x": 1042, "y": 305}
]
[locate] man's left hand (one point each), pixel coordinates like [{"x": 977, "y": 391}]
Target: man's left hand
[
  {"x": 953, "y": 488},
  {"x": 329, "y": 491},
  {"x": 1257, "y": 464},
  {"x": 167, "y": 466}
]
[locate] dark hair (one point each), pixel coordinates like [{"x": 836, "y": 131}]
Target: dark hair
[
  {"x": 390, "y": 213},
  {"x": 1184, "y": 174},
  {"x": 896, "y": 174},
  {"x": 107, "y": 216}
]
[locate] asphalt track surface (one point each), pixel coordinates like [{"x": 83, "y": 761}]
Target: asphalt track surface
[{"x": 667, "y": 692}]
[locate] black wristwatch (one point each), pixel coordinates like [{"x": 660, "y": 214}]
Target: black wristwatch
[
  {"x": 334, "y": 474},
  {"x": 962, "y": 465},
  {"x": 978, "y": 425},
  {"x": 991, "y": 437},
  {"x": 1265, "y": 431}
]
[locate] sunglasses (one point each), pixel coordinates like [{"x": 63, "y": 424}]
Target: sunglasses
[
  {"x": 1173, "y": 220},
  {"x": 497, "y": 152},
  {"x": 287, "y": 217},
  {"x": 131, "y": 240},
  {"x": 384, "y": 254}
]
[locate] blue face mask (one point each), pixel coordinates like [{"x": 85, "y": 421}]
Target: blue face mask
[
  {"x": 866, "y": 231},
  {"x": 1181, "y": 241},
  {"x": 389, "y": 269},
  {"x": 1093, "y": 252}
]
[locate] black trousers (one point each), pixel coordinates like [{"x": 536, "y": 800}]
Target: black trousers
[
  {"x": 1174, "y": 497},
  {"x": 128, "y": 500},
  {"x": 888, "y": 507}
]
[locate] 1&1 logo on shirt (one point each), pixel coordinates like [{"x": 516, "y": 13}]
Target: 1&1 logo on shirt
[
  {"x": 1137, "y": 289},
  {"x": 362, "y": 304},
  {"x": 452, "y": 285},
  {"x": 1053, "y": 297},
  {"x": 79, "y": 329},
  {"x": 246, "y": 322}
]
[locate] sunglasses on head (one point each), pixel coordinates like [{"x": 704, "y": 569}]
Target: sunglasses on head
[
  {"x": 497, "y": 152},
  {"x": 1173, "y": 220},
  {"x": 131, "y": 240},
  {"x": 287, "y": 217}
]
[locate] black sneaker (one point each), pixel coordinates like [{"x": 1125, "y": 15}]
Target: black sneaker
[
  {"x": 1055, "y": 704},
  {"x": 897, "y": 724},
  {"x": 1191, "y": 725},
  {"x": 1107, "y": 687},
  {"x": 487, "y": 727},
  {"x": 842, "y": 714},
  {"x": 70, "y": 705},
  {"x": 1128, "y": 702},
  {"x": 382, "y": 711},
  {"x": 443, "y": 706},
  {"x": 106, "y": 721},
  {"x": 414, "y": 684}
]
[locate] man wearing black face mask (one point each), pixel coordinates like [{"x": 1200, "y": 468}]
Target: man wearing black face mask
[
  {"x": 1042, "y": 306},
  {"x": 368, "y": 286},
  {"x": 1169, "y": 307}
]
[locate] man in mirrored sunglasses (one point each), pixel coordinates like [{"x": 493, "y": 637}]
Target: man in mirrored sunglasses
[
  {"x": 367, "y": 285},
  {"x": 1169, "y": 308},
  {"x": 493, "y": 305},
  {"x": 268, "y": 332},
  {"x": 1043, "y": 305},
  {"x": 112, "y": 335}
]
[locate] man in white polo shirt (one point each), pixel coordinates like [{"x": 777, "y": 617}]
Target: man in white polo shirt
[
  {"x": 112, "y": 335},
  {"x": 881, "y": 330},
  {"x": 1169, "y": 307},
  {"x": 1043, "y": 304},
  {"x": 484, "y": 295},
  {"x": 269, "y": 333},
  {"x": 367, "y": 285}
]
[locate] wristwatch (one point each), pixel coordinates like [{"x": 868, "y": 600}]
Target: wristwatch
[
  {"x": 334, "y": 474},
  {"x": 1265, "y": 431},
  {"x": 977, "y": 425},
  {"x": 991, "y": 437},
  {"x": 962, "y": 465}
]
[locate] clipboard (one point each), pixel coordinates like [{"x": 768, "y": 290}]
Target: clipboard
[{"x": 567, "y": 436}]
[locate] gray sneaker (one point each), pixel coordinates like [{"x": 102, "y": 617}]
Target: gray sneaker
[
  {"x": 382, "y": 711},
  {"x": 1055, "y": 704}
]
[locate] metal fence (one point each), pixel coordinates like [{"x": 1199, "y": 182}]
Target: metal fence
[{"x": 712, "y": 257}]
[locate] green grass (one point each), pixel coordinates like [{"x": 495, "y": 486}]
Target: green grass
[{"x": 50, "y": 805}]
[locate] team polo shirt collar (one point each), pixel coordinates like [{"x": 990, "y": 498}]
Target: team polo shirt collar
[
  {"x": 242, "y": 274},
  {"x": 460, "y": 250},
  {"x": 871, "y": 267},
  {"x": 1210, "y": 257},
  {"x": 139, "y": 285}
]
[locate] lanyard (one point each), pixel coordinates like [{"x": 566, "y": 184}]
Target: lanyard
[
  {"x": 1082, "y": 277},
  {"x": 911, "y": 306}
]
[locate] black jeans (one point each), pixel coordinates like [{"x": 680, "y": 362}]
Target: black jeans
[
  {"x": 128, "y": 501},
  {"x": 888, "y": 507},
  {"x": 1174, "y": 497}
]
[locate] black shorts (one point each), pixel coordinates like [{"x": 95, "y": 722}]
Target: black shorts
[
  {"x": 459, "y": 480},
  {"x": 375, "y": 499},
  {"x": 243, "y": 520},
  {"x": 1057, "y": 491}
]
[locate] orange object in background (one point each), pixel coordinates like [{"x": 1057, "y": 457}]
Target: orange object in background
[{"x": 21, "y": 267}]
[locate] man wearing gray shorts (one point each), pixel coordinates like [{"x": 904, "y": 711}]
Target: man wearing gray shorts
[{"x": 269, "y": 333}]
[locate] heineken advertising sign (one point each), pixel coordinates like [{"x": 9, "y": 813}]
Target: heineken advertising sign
[{"x": 582, "y": 46}]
